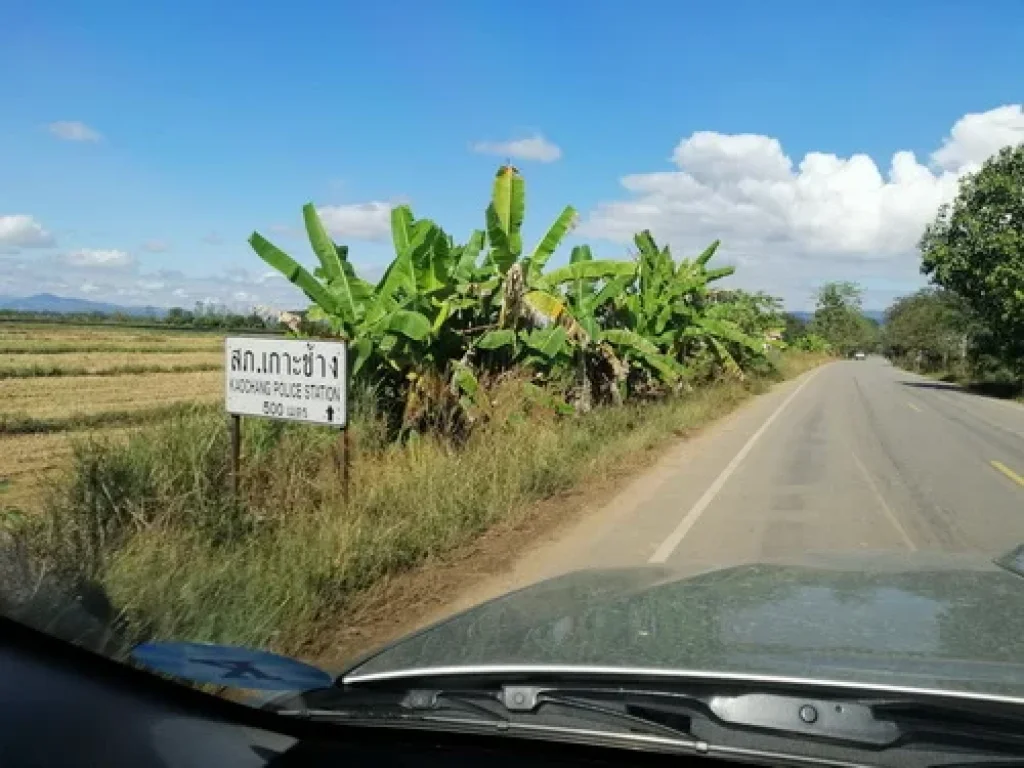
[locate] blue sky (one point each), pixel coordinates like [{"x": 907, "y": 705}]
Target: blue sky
[{"x": 142, "y": 144}]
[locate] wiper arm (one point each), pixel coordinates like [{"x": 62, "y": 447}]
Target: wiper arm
[
  {"x": 414, "y": 705},
  {"x": 532, "y": 698},
  {"x": 865, "y": 723},
  {"x": 697, "y": 722},
  {"x": 509, "y": 708}
]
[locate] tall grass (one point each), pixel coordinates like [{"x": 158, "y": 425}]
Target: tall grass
[{"x": 152, "y": 519}]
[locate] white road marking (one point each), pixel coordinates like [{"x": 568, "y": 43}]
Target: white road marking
[
  {"x": 668, "y": 546},
  {"x": 882, "y": 503},
  {"x": 914, "y": 407}
]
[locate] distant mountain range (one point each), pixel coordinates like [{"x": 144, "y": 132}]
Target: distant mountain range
[{"x": 47, "y": 302}]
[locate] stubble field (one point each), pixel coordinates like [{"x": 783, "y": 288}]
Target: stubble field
[{"x": 59, "y": 383}]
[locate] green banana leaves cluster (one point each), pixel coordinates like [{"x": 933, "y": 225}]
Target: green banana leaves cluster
[{"x": 444, "y": 314}]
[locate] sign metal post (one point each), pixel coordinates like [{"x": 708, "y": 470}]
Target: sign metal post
[{"x": 303, "y": 380}]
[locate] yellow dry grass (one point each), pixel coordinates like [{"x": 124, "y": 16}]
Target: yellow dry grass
[
  {"x": 68, "y": 396},
  {"x": 99, "y": 344},
  {"x": 93, "y": 362},
  {"x": 25, "y": 338},
  {"x": 27, "y": 462},
  {"x": 54, "y": 332}
]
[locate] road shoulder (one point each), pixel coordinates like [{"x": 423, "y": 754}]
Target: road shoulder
[{"x": 557, "y": 535}]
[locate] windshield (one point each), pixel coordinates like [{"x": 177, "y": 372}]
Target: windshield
[{"x": 698, "y": 351}]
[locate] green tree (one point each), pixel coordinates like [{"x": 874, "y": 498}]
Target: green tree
[
  {"x": 975, "y": 247},
  {"x": 928, "y": 330},
  {"x": 840, "y": 321},
  {"x": 795, "y": 328}
]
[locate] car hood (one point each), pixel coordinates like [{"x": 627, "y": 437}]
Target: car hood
[{"x": 912, "y": 620}]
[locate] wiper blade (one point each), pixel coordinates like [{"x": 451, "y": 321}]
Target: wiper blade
[
  {"x": 533, "y": 698},
  {"x": 414, "y": 705},
  {"x": 509, "y": 708},
  {"x": 700, "y": 722},
  {"x": 954, "y": 723}
]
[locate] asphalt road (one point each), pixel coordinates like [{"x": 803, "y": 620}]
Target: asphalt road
[{"x": 856, "y": 455}]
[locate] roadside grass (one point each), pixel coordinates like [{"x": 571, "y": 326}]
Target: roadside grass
[{"x": 152, "y": 520}]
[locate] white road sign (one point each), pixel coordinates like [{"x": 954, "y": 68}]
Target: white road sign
[{"x": 293, "y": 379}]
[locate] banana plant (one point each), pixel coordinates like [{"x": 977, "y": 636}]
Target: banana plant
[
  {"x": 353, "y": 308},
  {"x": 530, "y": 296},
  {"x": 668, "y": 307},
  {"x": 444, "y": 311}
]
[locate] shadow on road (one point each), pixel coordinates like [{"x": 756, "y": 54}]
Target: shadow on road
[{"x": 997, "y": 391}]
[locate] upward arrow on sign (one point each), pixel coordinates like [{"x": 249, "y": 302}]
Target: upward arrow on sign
[{"x": 330, "y": 413}]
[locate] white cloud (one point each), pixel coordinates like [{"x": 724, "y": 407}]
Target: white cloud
[
  {"x": 73, "y": 130},
  {"x": 107, "y": 276},
  {"x": 790, "y": 226},
  {"x": 357, "y": 221},
  {"x": 534, "y": 147},
  {"x": 212, "y": 238},
  {"x": 99, "y": 259},
  {"x": 20, "y": 230},
  {"x": 976, "y": 137},
  {"x": 156, "y": 246}
]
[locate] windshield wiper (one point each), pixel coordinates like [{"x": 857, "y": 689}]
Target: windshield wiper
[
  {"x": 671, "y": 716},
  {"x": 954, "y": 723},
  {"x": 510, "y": 708}
]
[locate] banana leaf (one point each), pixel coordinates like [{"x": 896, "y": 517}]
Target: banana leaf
[
  {"x": 412, "y": 325},
  {"x": 350, "y": 292},
  {"x": 468, "y": 256},
  {"x": 547, "y": 342},
  {"x": 718, "y": 274},
  {"x": 297, "y": 274},
  {"x": 726, "y": 359},
  {"x": 610, "y": 291},
  {"x": 723, "y": 329},
  {"x": 647, "y": 351},
  {"x": 708, "y": 252},
  {"x": 502, "y": 337},
  {"x": 602, "y": 269},
  {"x": 500, "y": 253},
  {"x": 509, "y": 202},
  {"x": 401, "y": 223},
  {"x": 551, "y": 240},
  {"x": 321, "y": 242}
]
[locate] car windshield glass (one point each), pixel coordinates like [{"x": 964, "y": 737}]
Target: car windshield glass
[{"x": 655, "y": 341}]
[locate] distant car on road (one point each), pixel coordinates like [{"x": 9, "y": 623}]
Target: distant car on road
[{"x": 859, "y": 356}]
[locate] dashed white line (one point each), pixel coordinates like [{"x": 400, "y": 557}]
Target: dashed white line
[{"x": 884, "y": 505}]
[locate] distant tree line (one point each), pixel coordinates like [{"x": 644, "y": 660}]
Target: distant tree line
[
  {"x": 204, "y": 317},
  {"x": 970, "y": 324},
  {"x": 838, "y": 324}
]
